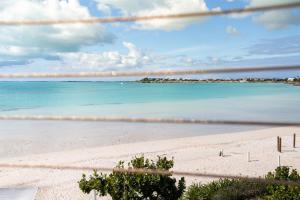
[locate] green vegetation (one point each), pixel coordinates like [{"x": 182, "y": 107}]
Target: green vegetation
[
  {"x": 121, "y": 186},
  {"x": 227, "y": 189},
  {"x": 286, "y": 192},
  {"x": 137, "y": 186},
  {"x": 297, "y": 80},
  {"x": 293, "y": 81}
]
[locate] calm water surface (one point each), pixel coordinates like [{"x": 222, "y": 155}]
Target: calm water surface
[
  {"x": 235, "y": 101},
  {"x": 205, "y": 100}
]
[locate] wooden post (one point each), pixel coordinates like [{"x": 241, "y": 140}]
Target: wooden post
[
  {"x": 279, "y": 163},
  {"x": 280, "y": 144},
  {"x": 294, "y": 140}
]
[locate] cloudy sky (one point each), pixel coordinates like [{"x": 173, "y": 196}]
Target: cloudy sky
[{"x": 260, "y": 39}]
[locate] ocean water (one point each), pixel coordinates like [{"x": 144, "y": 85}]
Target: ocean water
[
  {"x": 234, "y": 101},
  {"x": 253, "y": 101}
]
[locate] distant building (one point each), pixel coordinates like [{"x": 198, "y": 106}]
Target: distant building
[
  {"x": 244, "y": 80},
  {"x": 291, "y": 79}
]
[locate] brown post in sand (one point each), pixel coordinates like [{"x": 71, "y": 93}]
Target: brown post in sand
[
  {"x": 294, "y": 140},
  {"x": 280, "y": 144}
]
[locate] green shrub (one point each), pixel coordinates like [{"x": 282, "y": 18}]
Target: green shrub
[
  {"x": 121, "y": 186},
  {"x": 280, "y": 191},
  {"x": 206, "y": 191},
  {"x": 283, "y": 173},
  {"x": 226, "y": 189},
  {"x": 240, "y": 190}
]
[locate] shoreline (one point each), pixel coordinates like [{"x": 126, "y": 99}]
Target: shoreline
[
  {"x": 293, "y": 83},
  {"x": 192, "y": 154},
  {"x": 23, "y": 138},
  {"x": 289, "y": 81}
]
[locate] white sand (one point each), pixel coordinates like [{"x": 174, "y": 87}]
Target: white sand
[{"x": 190, "y": 154}]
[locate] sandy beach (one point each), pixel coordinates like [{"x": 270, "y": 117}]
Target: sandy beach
[
  {"x": 85, "y": 84},
  {"x": 192, "y": 154}
]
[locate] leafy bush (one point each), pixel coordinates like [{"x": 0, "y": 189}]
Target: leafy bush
[
  {"x": 280, "y": 191},
  {"x": 240, "y": 190},
  {"x": 283, "y": 173},
  {"x": 121, "y": 186},
  {"x": 206, "y": 191},
  {"x": 227, "y": 189}
]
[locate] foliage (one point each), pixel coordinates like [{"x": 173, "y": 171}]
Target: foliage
[
  {"x": 283, "y": 173},
  {"x": 227, "y": 189},
  {"x": 240, "y": 190},
  {"x": 280, "y": 191},
  {"x": 206, "y": 191},
  {"x": 121, "y": 186}
]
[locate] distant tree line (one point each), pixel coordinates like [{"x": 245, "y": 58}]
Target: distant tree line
[{"x": 250, "y": 80}]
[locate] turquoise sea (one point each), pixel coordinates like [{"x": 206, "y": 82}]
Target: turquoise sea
[
  {"x": 235, "y": 101},
  {"x": 265, "y": 101}
]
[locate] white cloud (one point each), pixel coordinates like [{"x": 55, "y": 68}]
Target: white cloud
[
  {"x": 272, "y": 19},
  {"x": 232, "y": 31},
  {"x": 110, "y": 59},
  {"x": 275, "y": 19},
  {"x": 269, "y": 2},
  {"x": 44, "y": 41},
  {"x": 156, "y": 7}
]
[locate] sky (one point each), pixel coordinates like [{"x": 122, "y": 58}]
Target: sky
[{"x": 258, "y": 39}]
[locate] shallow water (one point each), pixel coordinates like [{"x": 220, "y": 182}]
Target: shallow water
[
  {"x": 206, "y": 100},
  {"x": 234, "y": 101}
]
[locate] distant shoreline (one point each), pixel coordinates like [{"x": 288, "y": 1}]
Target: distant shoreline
[{"x": 292, "y": 81}]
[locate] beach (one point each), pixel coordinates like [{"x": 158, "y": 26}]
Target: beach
[
  {"x": 191, "y": 154},
  {"x": 195, "y": 148},
  {"x": 81, "y": 92}
]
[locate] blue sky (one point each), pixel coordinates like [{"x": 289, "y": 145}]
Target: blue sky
[{"x": 259, "y": 39}]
